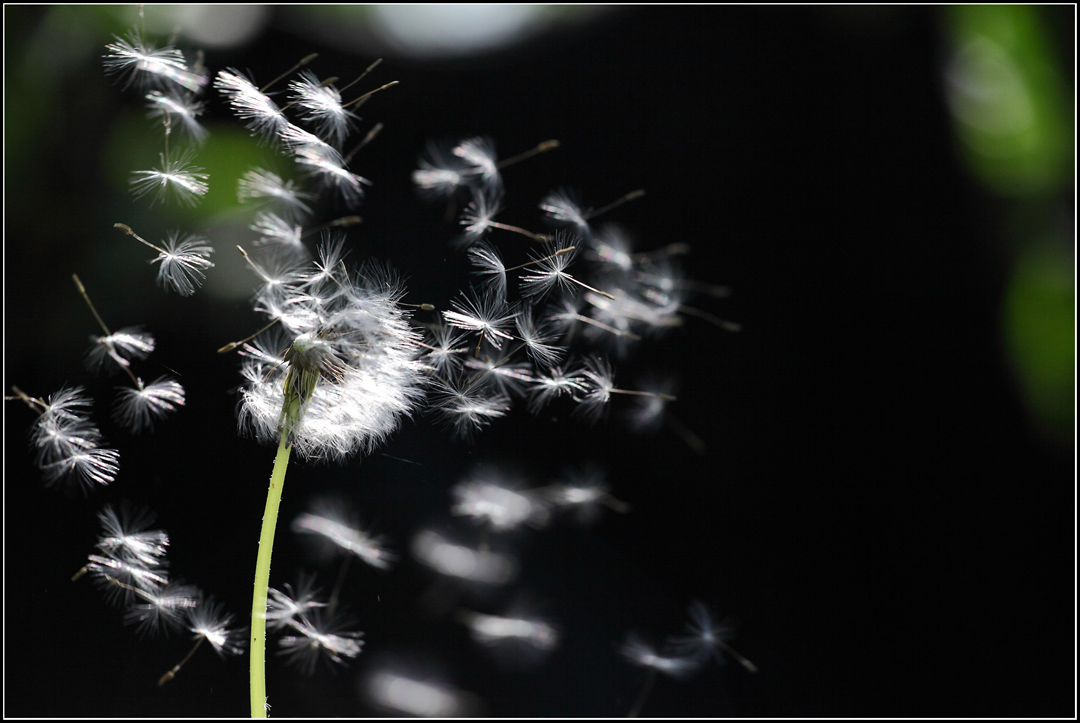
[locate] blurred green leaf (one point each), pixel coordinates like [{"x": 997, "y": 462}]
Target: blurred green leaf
[
  {"x": 1009, "y": 99},
  {"x": 1040, "y": 331}
]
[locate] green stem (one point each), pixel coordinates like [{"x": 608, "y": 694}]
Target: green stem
[{"x": 262, "y": 580}]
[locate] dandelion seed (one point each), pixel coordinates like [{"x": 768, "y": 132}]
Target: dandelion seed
[
  {"x": 162, "y": 611},
  {"x": 330, "y": 171},
  {"x": 517, "y": 636},
  {"x": 208, "y": 621},
  {"x": 640, "y": 653},
  {"x": 183, "y": 261},
  {"x": 283, "y": 607},
  {"x": 582, "y": 493},
  {"x": 250, "y": 104},
  {"x": 279, "y": 233},
  {"x": 345, "y": 535},
  {"x": 287, "y": 199},
  {"x": 321, "y": 105},
  {"x": 444, "y": 354},
  {"x": 467, "y": 407},
  {"x": 137, "y": 408},
  {"x": 175, "y": 178},
  {"x": 320, "y": 637},
  {"x": 463, "y": 563},
  {"x": 539, "y": 339},
  {"x": 185, "y": 109},
  {"x": 90, "y": 467},
  {"x": 488, "y": 499},
  {"x": 563, "y": 207},
  {"x": 121, "y": 347},
  {"x": 121, "y": 580},
  {"x": 125, "y": 534},
  {"x": 479, "y": 157},
  {"x": 705, "y": 639},
  {"x": 144, "y": 64},
  {"x": 440, "y": 174},
  {"x": 490, "y": 267},
  {"x": 556, "y": 383},
  {"x": 549, "y": 271},
  {"x": 486, "y": 315}
]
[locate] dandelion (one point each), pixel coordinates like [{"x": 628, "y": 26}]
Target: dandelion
[{"x": 174, "y": 177}]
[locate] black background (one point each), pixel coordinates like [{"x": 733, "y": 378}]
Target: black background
[{"x": 874, "y": 509}]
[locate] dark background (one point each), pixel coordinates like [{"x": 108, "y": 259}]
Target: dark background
[{"x": 876, "y": 509}]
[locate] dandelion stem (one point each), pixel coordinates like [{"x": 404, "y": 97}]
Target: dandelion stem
[
  {"x": 127, "y": 229},
  {"x": 638, "y": 393},
  {"x": 361, "y": 76},
  {"x": 121, "y": 361},
  {"x": 86, "y": 297},
  {"x": 560, "y": 252},
  {"x": 233, "y": 344},
  {"x": 541, "y": 237},
  {"x": 303, "y": 61},
  {"x": 36, "y": 404},
  {"x": 176, "y": 668},
  {"x": 735, "y": 654},
  {"x": 357, "y": 101},
  {"x": 640, "y": 703},
  {"x": 262, "y": 579},
  {"x": 715, "y": 320},
  {"x": 376, "y": 129},
  {"x": 542, "y": 148},
  {"x": 583, "y": 285},
  {"x": 633, "y": 195}
]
